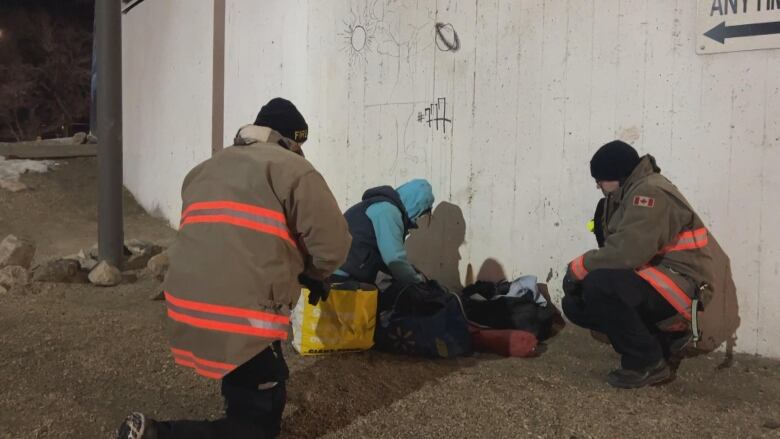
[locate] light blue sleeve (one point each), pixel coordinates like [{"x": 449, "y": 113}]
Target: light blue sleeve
[{"x": 389, "y": 230}]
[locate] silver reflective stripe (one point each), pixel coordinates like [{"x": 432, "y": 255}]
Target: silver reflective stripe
[
  {"x": 267, "y": 325},
  {"x": 695, "y": 321},
  {"x": 699, "y": 238},
  {"x": 671, "y": 294},
  {"x": 238, "y": 214},
  {"x": 691, "y": 240}
]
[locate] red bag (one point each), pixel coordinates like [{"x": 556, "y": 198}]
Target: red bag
[{"x": 506, "y": 342}]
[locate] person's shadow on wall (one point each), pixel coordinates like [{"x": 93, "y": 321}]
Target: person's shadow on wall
[{"x": 434, "y": 247}]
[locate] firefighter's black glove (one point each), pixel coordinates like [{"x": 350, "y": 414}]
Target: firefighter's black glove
[
  {"x": 570, "y": 285},
  {"x": 318, "y": 289}
]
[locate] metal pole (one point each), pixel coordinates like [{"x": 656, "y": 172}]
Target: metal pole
[
  {"x": 109, "y": 97},
  {"x": 93, "y": 83},
  {"x": 218, "y": 81}
]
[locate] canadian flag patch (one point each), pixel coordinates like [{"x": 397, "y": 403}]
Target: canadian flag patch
[{"x": 643, "y": 201}]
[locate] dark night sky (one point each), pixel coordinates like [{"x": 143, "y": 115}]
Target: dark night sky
[
  {"x": 73, "y": 9},
  {"x": 45, "y": 45}
]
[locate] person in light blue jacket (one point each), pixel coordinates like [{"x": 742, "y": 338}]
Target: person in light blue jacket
[{"x": 379, "y": 225}]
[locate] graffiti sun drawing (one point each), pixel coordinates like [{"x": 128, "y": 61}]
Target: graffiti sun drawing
[{"x": 358, "y": 37}]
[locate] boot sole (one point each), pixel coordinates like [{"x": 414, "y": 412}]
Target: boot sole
[
  {"x": 133, "y": 427},
  {"x": 653, "y": 379}
]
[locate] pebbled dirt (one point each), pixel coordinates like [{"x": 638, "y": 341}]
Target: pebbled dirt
[{"x": 75, "y": 359}]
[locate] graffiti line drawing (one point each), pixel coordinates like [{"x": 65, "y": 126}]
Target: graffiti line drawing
[
  {"x": 129, "y": 8},
  {"x": 358, "y": 36},
  {"x": 435, "y": 114},
  {"x": 447, "y": 39}
]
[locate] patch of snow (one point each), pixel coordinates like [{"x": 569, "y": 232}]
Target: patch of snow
[{"x": 12, "y": 169}]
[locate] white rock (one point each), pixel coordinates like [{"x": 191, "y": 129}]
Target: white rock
[
  {"x": 77, "y": 256},
  {"x": 16, "y": 251},
  {"x": 105, "y": 275},
  {"x": 158, "y": 265},
  {"x": 14, "y": 275},
  {"x": 136, "y": 245},
  {"x": 12, "y": 185},
  {"x": 87, "y": 262},
  {"x": 93, "y": 252},
  {"x": 59, "y": 270},
  {"x": 79, "y": 138},
  {"x": 142, "y": 252}
]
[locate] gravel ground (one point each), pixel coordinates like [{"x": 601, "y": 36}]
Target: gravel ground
[{"x": 74, "y": 359}]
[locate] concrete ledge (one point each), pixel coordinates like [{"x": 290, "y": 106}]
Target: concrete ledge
[{"x": 39, "y": 150}]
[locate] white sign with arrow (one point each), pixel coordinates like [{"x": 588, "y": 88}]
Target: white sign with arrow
[{"x": 733, "y": 25}]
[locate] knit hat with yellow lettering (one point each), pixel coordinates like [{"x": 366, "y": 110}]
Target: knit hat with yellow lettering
[{"x": 281, "y": 116}]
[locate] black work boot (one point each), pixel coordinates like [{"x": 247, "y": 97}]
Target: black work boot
[
  {"x": 137, "y": 426},
  {"x": 675, "y": 346},
  {"x": 679, "y": 341},
  {"x": 636, "y": 378}
]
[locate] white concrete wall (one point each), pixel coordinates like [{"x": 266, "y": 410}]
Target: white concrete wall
[
  {"x": 534, "y": 89},
  {"x": 167, "y": 83},
  {"x": 265, "y": 47}
]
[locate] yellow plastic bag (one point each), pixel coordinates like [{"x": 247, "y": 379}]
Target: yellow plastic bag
[{"x": 343, "y": 323}]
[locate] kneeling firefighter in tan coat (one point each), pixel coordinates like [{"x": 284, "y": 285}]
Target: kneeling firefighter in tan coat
[
  {"x": 655, "y": 266},
  {"x": 256, "y": 219}
]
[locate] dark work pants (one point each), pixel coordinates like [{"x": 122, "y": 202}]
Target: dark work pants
[
  {"x": 251, "y": 411},
  {"x": 625, "y": 308}
]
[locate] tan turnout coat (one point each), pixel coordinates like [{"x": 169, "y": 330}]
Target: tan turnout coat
[
  {"x": 651, "y": 228},
  {"x": 254, "y": 217}
]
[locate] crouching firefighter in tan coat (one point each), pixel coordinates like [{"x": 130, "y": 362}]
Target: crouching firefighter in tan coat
[
  {"x": 653, "y": 271},
  {"x": 255, "y": 217}
]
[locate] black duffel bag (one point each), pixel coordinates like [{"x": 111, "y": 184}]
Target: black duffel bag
[
  {"x": 485, "y": 306},
  {"x": 421, "y": 319}
]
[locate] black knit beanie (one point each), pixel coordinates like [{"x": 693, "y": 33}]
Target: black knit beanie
[
  {"x": 281, "y": 115},
  {"x": 614, "y": 161}
]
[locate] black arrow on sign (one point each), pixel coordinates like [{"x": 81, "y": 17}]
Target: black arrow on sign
[{"x": 720, "y": 32}]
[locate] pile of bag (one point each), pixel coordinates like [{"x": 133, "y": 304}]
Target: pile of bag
[{"x": 508, "y": 318}]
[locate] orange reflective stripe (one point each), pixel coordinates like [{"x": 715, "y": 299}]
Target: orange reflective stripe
[
  {"x": 227, "y": 318},
  {"x": 237, "y": 214},
  {"x": 207, "y": 368},
  {"x": 667, "y": 288},
  {"x": 689, "y": 240},
  {"x": 234, "y": 328},
  {"x": 578, "y": 268},
  {"x": 226, "y": 219},
  {"x": 233, "y": 205},
  {"x": 226, "y": 310},
  {"x": 200, "y": 371},
  {"x": 209, "y": 363}
]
